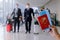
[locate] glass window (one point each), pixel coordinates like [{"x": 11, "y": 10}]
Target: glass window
[
  {"x": 5, "y": 8},
  {"x": 1, "y": 0},
  {"x": 6, "y": 0}
]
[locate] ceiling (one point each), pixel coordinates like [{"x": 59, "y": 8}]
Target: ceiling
[{"x": 34, "y": 2}]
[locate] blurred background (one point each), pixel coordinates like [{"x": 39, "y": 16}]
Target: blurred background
[{"x": 6, "y": 8}]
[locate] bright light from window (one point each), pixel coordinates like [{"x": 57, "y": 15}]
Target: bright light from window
[
  {"x": 1, "y": 0},
  {"x": 6, "y": 0},
  {"x": 11, "y": 1}
]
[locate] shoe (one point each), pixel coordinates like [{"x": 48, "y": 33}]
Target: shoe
[
  {"x": 18, "y": 31},
  {"x": 26, "y": 32},
  {"x": 36, "y": 33},
  {"x": 14, "y": 31},
  {"x": 29, "y": 32}
]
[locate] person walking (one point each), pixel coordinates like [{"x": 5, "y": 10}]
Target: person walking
[
  {"x": 16, "y": 17},
  {"x": 28, "y": 17}
]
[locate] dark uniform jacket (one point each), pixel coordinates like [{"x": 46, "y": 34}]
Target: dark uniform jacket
[
  {"x": 27, "y": 14},
  {"x": 18, "y": 13}
]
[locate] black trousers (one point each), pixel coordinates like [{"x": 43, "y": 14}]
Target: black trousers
[
  {"x": 28, "y": 26},
  {"x": 16, "y": 22}
]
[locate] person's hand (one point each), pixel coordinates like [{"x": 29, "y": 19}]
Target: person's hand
[
  {"x": 19, "y": 18},
  {"x": 54, "y": 32},
  {"x": 12, "y": 19}
]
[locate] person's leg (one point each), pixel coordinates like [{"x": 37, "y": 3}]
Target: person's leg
[
  {"x": 22, "y": 20},
  {"x": 29, "y": 26},
  {"x": 15, "y": 26},
  {"x": 26, "y": 26},
  {"x": 18, "y": 25}
]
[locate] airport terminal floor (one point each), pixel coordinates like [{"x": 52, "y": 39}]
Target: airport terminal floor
[{"x": 4, "y": 35}]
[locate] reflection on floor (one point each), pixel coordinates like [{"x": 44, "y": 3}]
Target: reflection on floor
[{"x": 22, "y": 36}]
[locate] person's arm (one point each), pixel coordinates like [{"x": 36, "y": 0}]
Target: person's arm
[
  {"x": 12, "y": 15},
  {"x": 32, "y": 12},
  {"x": 24, "y": 13},
  {"x": 13, "y": 12},
  {"x": 20, "y": 14}
]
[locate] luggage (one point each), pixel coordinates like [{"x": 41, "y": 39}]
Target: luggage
[{"x": 9, "y": 27}]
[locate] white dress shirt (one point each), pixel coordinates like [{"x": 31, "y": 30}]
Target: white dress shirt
[{"x": 16, "y": 10}]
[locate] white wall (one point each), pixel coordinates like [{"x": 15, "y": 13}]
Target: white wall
[{"x": 54, "y": 6}]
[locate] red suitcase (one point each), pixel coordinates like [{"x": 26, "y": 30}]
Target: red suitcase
[{"x": 9, "y": 27}]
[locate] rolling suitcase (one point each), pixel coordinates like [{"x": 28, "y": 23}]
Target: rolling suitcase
[{"x": 9, "y": 27}]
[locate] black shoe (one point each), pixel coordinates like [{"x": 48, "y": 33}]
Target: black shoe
[
  {"x": 26, "y": 32},
  {"x": 36, "y": 33},
  {"x": 14, "y": 31},
  {"x": 29, "y": 32},
  {"x": 18, "y": 31}
]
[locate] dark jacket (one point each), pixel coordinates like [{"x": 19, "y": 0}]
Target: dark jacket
[
  {"x": 27, "y": 14},
  {"x": 18, "y": 13}
]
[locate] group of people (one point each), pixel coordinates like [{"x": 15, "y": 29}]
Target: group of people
[{"x": 17, "y": 17}]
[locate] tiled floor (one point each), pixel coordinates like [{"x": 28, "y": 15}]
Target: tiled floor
[{"x": 22, "y": 36}]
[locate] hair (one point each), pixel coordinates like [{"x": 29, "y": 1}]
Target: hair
[
  {"x": 28, "y": 4},
  {"x": 17, "y": 4},
  {"x": 43, "y": 8}
]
